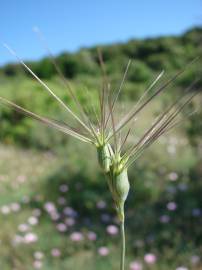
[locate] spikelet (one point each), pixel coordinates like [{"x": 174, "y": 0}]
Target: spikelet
[
  {"x": 118, "y": 185},
  {"x": 104, "y": 157}
]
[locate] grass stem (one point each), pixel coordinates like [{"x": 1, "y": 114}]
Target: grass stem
[{"x": 123, "y": 245}]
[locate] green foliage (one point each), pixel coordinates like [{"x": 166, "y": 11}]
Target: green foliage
[
  {"x": 11, "y": 70},
  {"x": 194, "y": 128},
  {"x": 43, "y": 69},
  {"x": 139, "y": 72}
]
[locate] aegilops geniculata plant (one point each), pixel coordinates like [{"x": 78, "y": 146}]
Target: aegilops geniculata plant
[{"x": 107, "y": 136}]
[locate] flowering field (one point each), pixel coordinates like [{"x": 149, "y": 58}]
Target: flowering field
[{"x": 53, "y": 215}]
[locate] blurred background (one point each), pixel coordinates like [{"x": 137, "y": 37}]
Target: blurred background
[{"x": 55, "y": 208}]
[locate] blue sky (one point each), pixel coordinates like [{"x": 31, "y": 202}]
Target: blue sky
[{"x": 69, "y": 25}]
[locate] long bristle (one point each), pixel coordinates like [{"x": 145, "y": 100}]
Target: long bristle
[
  {"x": 48, "y": 89},
  {"x": 54, "y": 124},
  {"x": 164, "y": 127},
  {"x": 158, "y": 121},
  {"x": 130, "y": 116},
  {"x": 64, "y": 80},
  {"x": 113, "y": 126},
  {"x": 116, "y": 95},
  {"x": 105, "y": 91}
]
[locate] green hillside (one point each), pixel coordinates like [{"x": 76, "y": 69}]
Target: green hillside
[
  {"x": 152, "y": 54},
  {"x": 149, "y": 57}
]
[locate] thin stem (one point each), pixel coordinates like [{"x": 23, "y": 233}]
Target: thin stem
[{"x": 123, "y": 245}]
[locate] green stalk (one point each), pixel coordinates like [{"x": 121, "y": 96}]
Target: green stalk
[{"x": 123, "y": 245}]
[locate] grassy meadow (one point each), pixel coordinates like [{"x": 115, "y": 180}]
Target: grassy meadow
[{"x": 55, "y": 208}]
